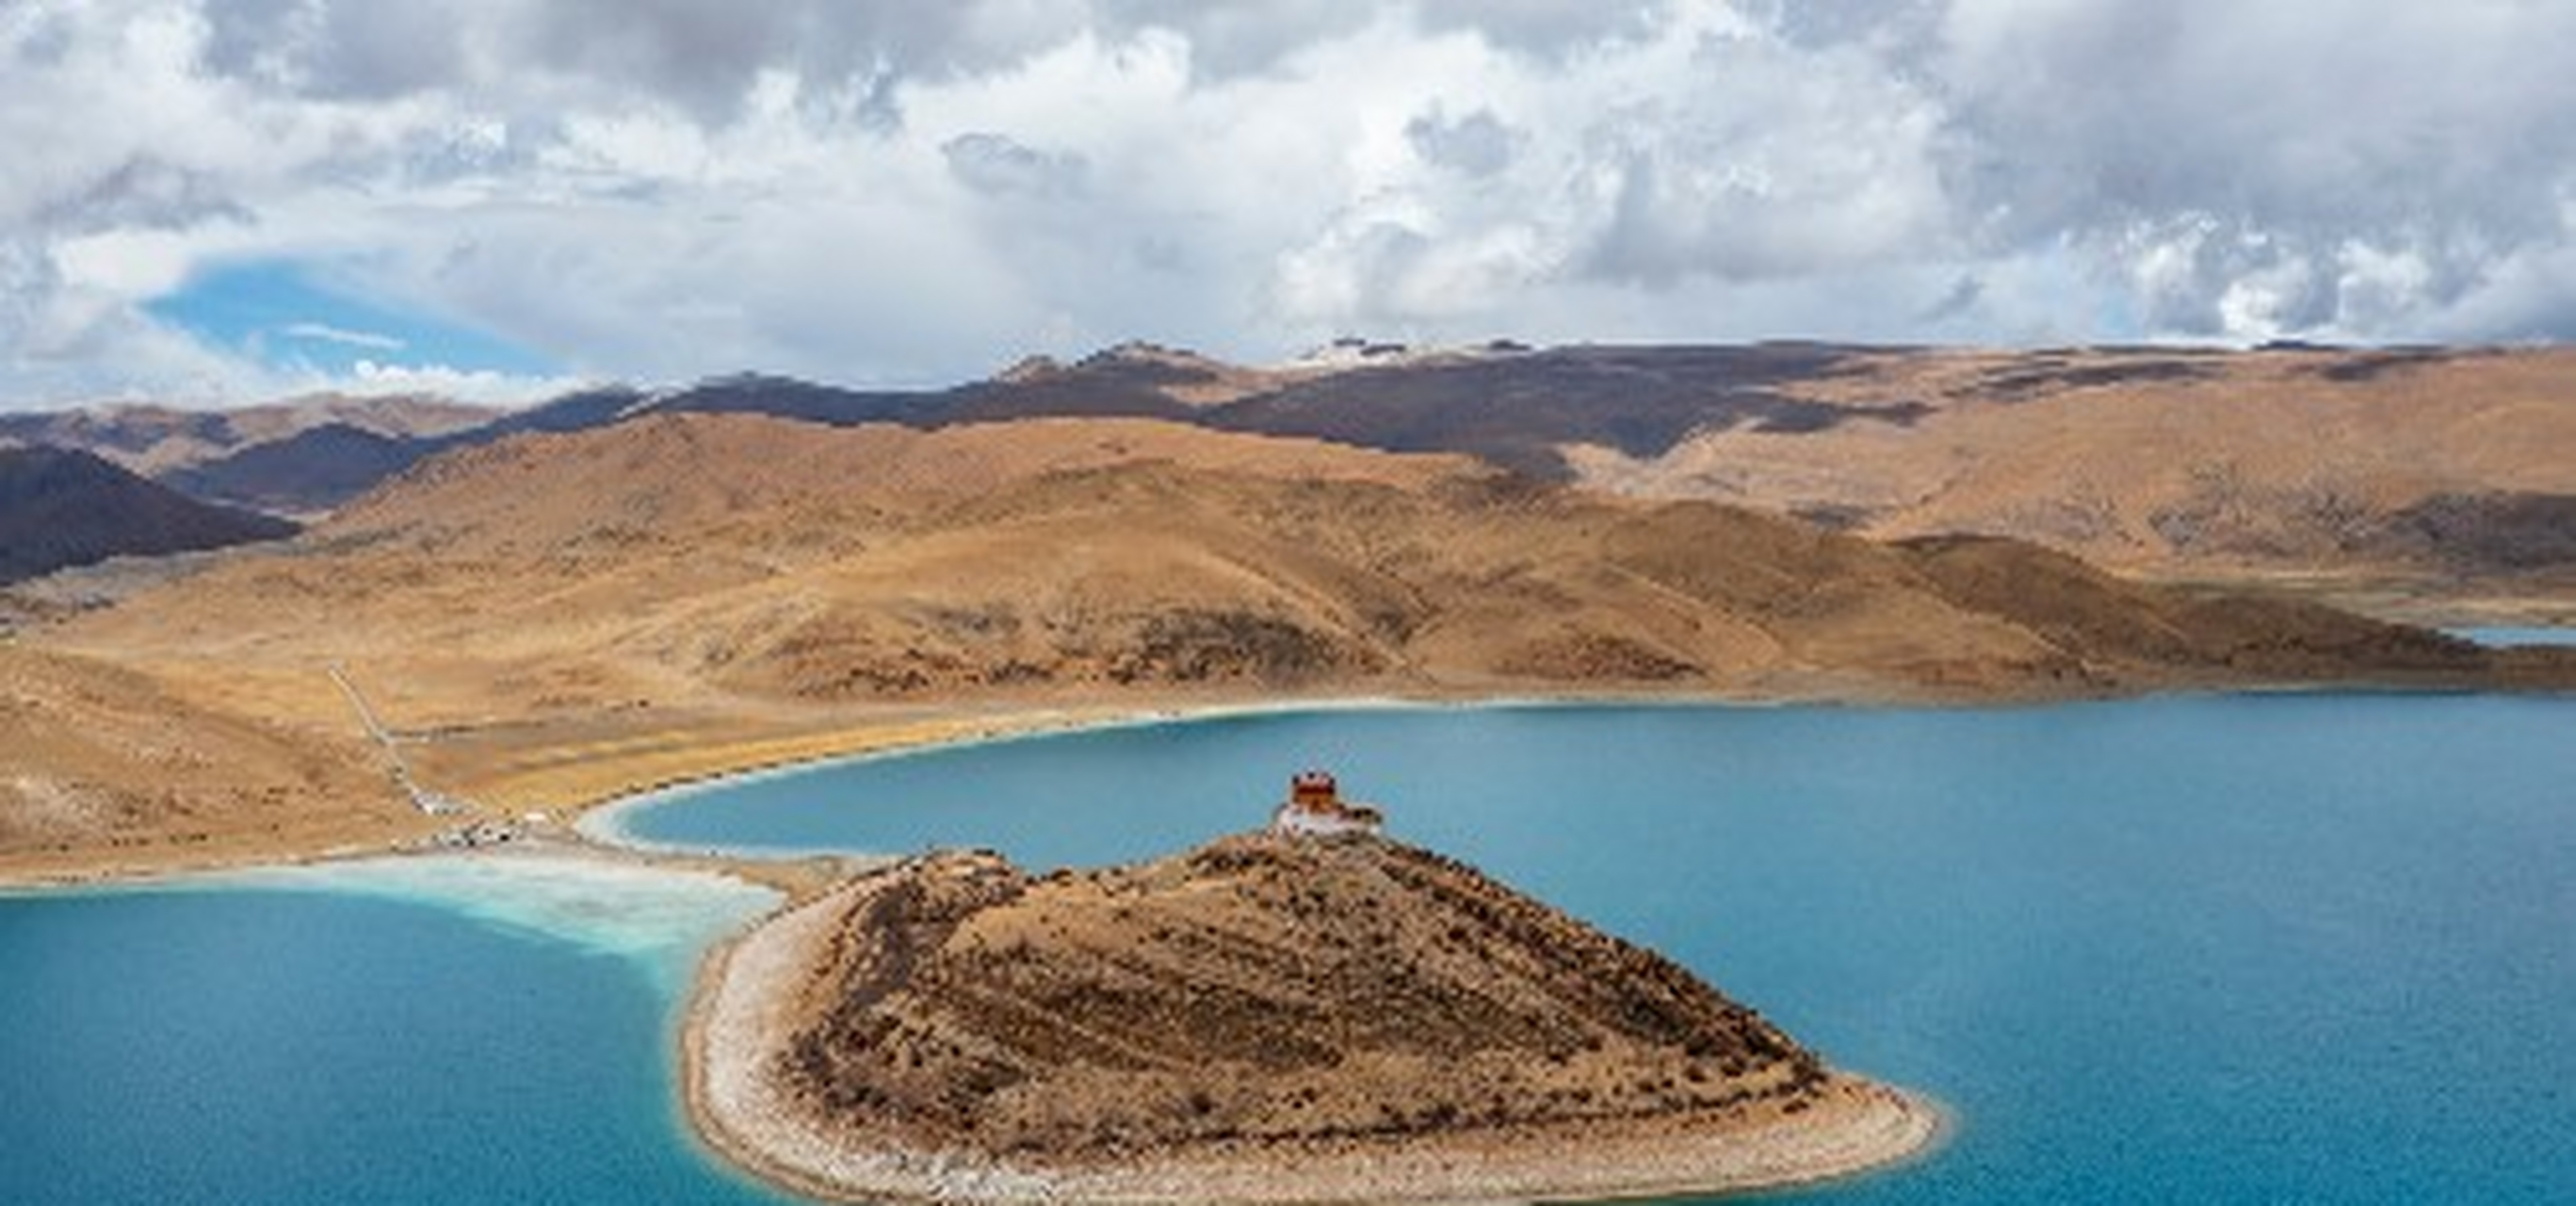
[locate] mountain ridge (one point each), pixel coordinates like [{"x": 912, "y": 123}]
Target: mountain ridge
[
  {"x": 684, "y": 553},
  {"x": 62, "y": 508},
  {"x": 2390, "y": 478}
]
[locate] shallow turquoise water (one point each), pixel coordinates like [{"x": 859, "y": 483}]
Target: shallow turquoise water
[
  {"x": 2510, "y": 637},
  {"x": 2309, "y": 949},
  {"x": 268, "y": 1045}
]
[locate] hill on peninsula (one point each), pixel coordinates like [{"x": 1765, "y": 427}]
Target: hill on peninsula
[{"x": 1301, "y": 1012}]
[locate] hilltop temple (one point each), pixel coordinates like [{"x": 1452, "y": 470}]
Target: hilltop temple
[{"x": 1315, "y": 808}]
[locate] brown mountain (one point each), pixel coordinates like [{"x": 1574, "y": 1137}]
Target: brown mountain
[
  {"x": 308, "y": 472},
  {"x": 2442, "y": 469},
  {"x": 153, "y": 440},
  {"x": 2427, "y": 472},
  {"x": 60, "y": 507},
  {"x": 684, "y": 558},
  {"x": 2451, "y": 470},
  {"x": 1326, "y": 1018}
]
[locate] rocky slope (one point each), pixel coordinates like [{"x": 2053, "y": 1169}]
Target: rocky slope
[
  {"x": 60, "y": 507},
  {"x": 1313, "y": 1002}
]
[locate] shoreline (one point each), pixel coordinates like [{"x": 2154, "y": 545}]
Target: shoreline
[
  {"x": 597, "y": 823},
  {"x": 732, "y": 1029}
]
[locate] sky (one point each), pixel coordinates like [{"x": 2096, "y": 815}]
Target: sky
[{"x": 222, "y": 200}]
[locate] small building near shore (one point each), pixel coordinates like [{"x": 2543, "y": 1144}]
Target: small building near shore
[{"x": 1315, "y": 808}]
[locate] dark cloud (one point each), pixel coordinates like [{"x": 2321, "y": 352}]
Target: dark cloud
[
  {"x": 996, "y": 164},
  {"x": 1478, "y": 144},
  {"x": 2292, "y": 133},
  {"x": 1961, "y": 300},
  {"x": 37, "y": 38},
  {"x": 702, "y": 56},
  {"x": 707, "y": 56},
  {"x": 1900, "y": 27},
  {"x": 1232, "y": 37},
  {"x": 337, "y": 50},
  {"x": 144, "y": 192},
  {"x": 1548, "y": 27}
]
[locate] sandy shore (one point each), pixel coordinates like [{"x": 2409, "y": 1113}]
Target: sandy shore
[{"x": 739, "y": 1018}]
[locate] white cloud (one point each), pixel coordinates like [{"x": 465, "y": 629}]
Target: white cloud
[
  {"x": 878, "y": 191},
  {"x": 326, "y": 333}
]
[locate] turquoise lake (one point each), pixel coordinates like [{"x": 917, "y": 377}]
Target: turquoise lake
[
  {"x": 2274, "y": 949},
  {"x": 2511, "y": 637}
]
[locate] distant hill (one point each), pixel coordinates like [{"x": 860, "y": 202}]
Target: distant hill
[
  {"x": 316, "y": 469},
  {"x": 312, "y": 470},
  {"x": 2452, "y": 468},
  {"x": 60, "y": 507},
  {"x": 2441, "y": 470},
  {"x": 1512, "y": 406},
  {"x": 154, "y": 440}
]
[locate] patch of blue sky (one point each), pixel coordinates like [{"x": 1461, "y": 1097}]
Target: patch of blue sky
[{"x": 292, "y": 316}]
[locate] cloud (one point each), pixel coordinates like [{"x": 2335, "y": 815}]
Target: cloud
[
  {"x": 878, "y": 191},
  {"x": 1961, "y": 300},
  {"x": 995, "y": 163},
  {"x": 1478, "y": 144},
  {"x": 326, "y": 333}
]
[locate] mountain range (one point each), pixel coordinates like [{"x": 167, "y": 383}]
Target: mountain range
[{"x": 2445, "y": 470}]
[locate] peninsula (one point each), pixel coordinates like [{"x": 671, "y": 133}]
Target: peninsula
[{"x": 1310, "y": 1013}]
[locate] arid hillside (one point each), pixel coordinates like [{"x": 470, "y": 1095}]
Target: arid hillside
[
  {"x": 687, "y": 558},
  {"x": 104, "y": 762},
  {"x": 2443, "y": 470}
]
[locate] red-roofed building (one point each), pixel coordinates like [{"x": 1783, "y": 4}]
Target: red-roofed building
[{"x": 1315, "y": 808}]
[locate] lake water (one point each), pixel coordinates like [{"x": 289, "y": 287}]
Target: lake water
[
  {"x": 2312, "y": 949},
  {"x": 435, "y": 1033},
  {"x": 2507, "y": 638}
]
